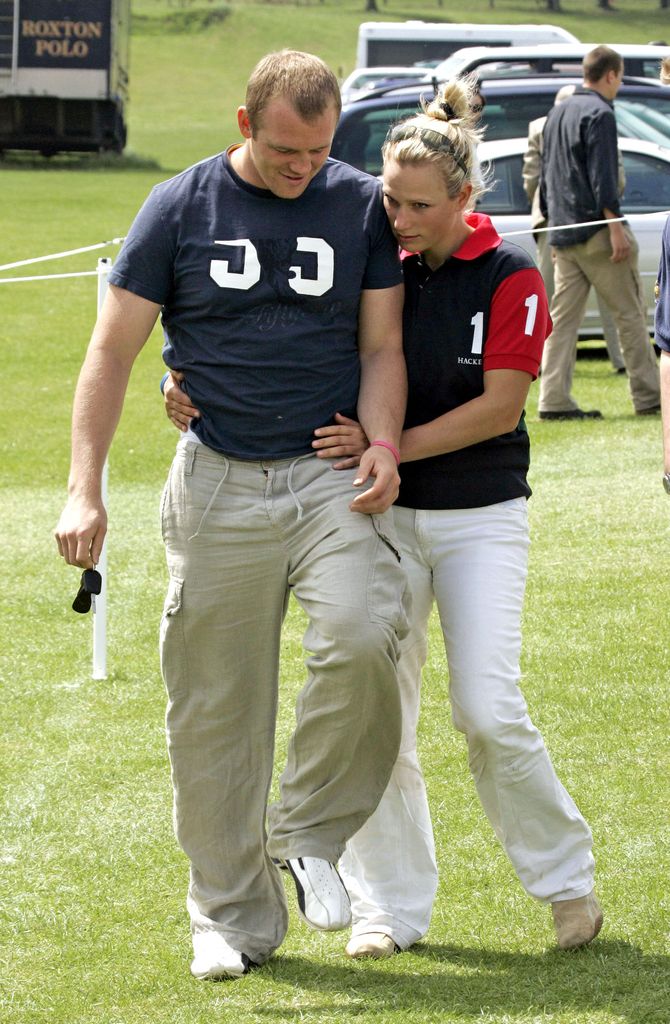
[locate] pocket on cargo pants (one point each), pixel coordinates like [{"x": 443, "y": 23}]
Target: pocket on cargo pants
[{"x": 172, "y": 645}]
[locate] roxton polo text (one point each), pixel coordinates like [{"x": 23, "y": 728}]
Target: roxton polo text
[{"x": 61, "y": 38}]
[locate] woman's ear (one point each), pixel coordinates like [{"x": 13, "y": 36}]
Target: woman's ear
[{"x": 463, "y": 197}]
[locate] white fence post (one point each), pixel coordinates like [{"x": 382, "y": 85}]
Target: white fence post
[{"x": 100, "y": 614}]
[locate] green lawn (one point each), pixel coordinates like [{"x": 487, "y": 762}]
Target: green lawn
[{"x": 93, "y": 928}]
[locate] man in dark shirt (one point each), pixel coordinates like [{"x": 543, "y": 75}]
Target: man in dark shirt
[
  {"x": 578, "y": 186},
  {"x": 281, "y": 309}
]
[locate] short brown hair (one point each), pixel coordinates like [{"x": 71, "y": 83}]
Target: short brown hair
[
  {"x": 301, "y": 78},
  {"x": 599, "y": 61},
  {"x": 665, "y": 71}
]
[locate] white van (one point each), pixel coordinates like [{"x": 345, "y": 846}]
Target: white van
[{"x": 412, "y": 42}]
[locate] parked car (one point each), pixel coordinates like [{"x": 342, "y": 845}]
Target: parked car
[
  {"x": 546, "y": 59},
  {"x": 646, "y": 202},
  {"x": 362, "y": 80},
  {"x": 642, "y": 110}
]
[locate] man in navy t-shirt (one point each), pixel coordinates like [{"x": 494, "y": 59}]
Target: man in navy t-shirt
[{"x": 279, "y": 288}]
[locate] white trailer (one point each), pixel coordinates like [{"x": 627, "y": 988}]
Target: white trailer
[
  {"x": 413, "y": 42},
  {"x": 63, "y": 74}
]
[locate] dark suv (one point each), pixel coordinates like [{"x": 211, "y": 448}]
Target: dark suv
[{"x": 642, "y": 111}]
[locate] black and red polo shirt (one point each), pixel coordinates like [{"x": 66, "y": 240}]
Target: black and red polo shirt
[{"x": 485, "y": 308}]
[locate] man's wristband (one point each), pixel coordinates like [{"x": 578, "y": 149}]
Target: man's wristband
[
  {"x": 391, "y": 447},
  {"x": 162, "y": 383}
]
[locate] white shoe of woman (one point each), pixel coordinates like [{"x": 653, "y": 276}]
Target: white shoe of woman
[{"x": 374, "y": 945}]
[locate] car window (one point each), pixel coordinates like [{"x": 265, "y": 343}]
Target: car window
[
  {"x": 359, "y": 139},
  {"x": 528, "y": 68},
  {"x": 647, "y": 118},
  {"x": 545, "y": 65},
  {"x": 507, "y": 195},
  {"x": 375, "y": 77},
  {"x": 365, "y": 78},
  {"x": 647, "y": 184},
  {"x": 506, "y": 69},
  {"x": 636, "y": 121},
  {"x": 507, "y": 117},
  {"x": 651, "y": 68}
]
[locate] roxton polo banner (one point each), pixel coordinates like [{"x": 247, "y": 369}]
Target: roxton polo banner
[{"x": 64, "y": 33}]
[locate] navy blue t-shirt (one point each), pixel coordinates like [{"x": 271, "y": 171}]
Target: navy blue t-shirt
[{"x": 260, "y": 297}]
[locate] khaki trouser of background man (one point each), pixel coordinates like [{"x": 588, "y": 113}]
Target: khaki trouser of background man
[
  {"x": 545, "y": 262},
  {"x": 576, "y": 268}
]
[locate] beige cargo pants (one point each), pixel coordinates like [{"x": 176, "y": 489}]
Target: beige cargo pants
[{"x": 240, "y": 537}]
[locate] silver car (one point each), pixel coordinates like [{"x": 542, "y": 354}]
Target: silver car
[
  {"x": 646, "y": 204},
  {"x": 640, "y": 61}
]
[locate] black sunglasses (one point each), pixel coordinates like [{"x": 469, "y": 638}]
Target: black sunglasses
[{"x": 89, "y": 585}]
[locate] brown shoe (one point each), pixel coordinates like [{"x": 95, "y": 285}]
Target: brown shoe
[
  {"x": 373, "y": 945},
  {"x": 577, "y": 922}
]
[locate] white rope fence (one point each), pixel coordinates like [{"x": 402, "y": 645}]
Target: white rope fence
[
  {"x": 58, "y": 256},
  {"x": 574, "y": 227},
  {"x": 117, "y": 241},
  {"x": 103, "y": 269}
]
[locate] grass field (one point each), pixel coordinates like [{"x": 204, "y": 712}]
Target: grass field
[{"x": 93, "y": 928}]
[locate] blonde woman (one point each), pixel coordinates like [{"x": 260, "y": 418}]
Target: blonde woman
[{"x": 475, "y": 319}]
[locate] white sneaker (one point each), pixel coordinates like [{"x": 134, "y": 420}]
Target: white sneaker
[
  {"x": 214, "y": 958},
  {"x": 322, "y": 899}
]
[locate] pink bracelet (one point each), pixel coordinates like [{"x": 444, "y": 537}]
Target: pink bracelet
[{"x": 391, "y": 447}]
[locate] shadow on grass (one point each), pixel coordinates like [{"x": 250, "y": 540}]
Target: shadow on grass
[
  {"x": 31, "y": 161},
  {"x": 611, "y": 976}
]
